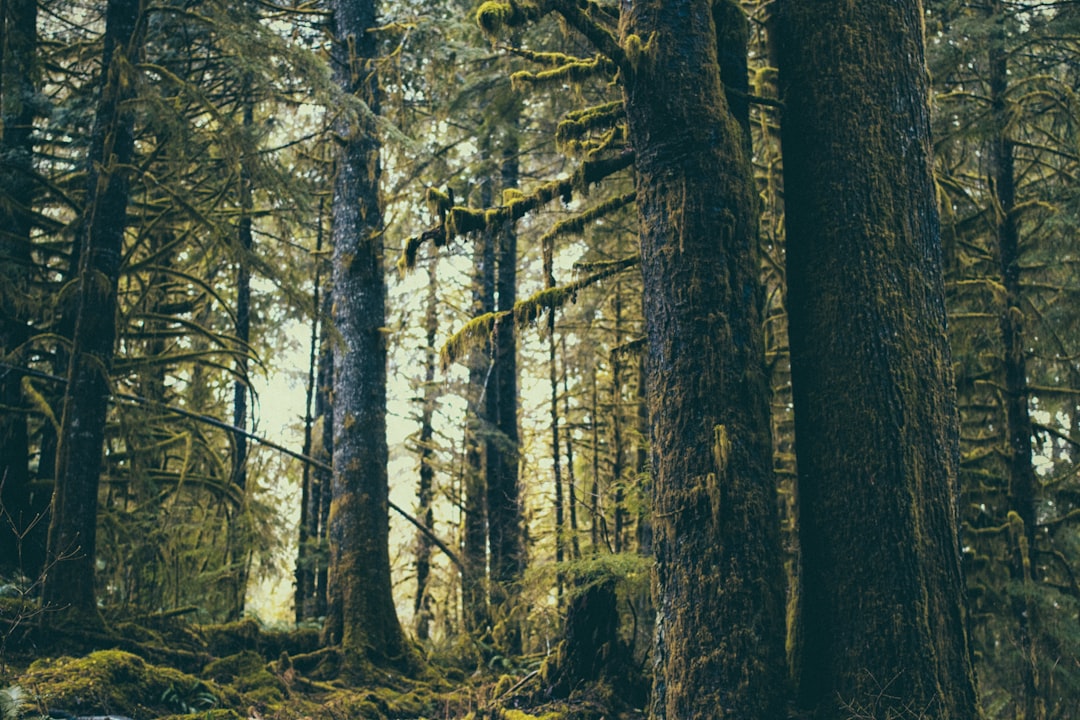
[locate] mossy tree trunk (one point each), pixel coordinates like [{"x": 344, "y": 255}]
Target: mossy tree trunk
[
  {"x": 426, "y": 486},
  {"x": 361, "y": 616},
  {"x": 1018, "y": 424},
  {"x": 18, "y": 546},
  {"x": 69, "y": 582},
  {"x": 475, "y": 553},
  {"x": 719, "y": 585},
  {"x": 504, "y": 513},
  {"x": 883, "y": 607}
]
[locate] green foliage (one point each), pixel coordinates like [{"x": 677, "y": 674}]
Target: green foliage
[{"x": 12, "y": 701}]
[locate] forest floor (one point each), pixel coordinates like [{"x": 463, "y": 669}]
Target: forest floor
[{"x": 164, "y": 667}]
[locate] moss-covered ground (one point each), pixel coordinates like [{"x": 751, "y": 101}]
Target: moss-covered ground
[{"x": 172, "y": 669}]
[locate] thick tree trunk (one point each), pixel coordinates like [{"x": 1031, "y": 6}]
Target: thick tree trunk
[
  {"x": 719, "y": 585},
  {"x": 21, "y": 548},
  {"x": 883, "y": 613},
  {"x": 361, "y": 616},
  {"x": 69, "y": 583}
]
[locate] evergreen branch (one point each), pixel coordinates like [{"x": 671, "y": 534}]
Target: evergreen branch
[
  {"x": 1073, "y": 514},
  {"x": 221, "y": 425},
  {"x": 494, "y": 15},
  {"x": 575, "y": 125},
  {"x": 577, "y": 223},
  {"x": 471, "y": 333},
  {"x": 584, "y": 21},
  {"x": 531, "y": 308},
  {"x": 460, "y": 220},
  {"x": 574, "y": 71}
]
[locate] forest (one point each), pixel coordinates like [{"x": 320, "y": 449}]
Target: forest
[{"x": 519, "y": 359}]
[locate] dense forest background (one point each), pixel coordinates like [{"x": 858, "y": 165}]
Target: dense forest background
[{"x": 242, "y": 242}]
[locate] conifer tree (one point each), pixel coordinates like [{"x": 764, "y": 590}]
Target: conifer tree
[
  {"x": 876, "y": 435},
  {"x": 361, "y": 616},
  {"x": 69, "y": 584}
]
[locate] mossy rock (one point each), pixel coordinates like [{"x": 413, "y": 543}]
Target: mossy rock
[
  {"x": 248, "y": 673},
  {"x": 231, "y": 638},
  {"x": 119, "y": 683}
]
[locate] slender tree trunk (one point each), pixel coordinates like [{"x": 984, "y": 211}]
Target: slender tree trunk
[
  {"x": 1018, "y": 425},
  {"x": 505, "y": 527},
  {"x": 875, "y": 411},
  {"x": 474, "y": 579},
  {"x": 361, "y": 616},
  {"x": 615, "y": 426},
  {"x": 308, "y": 531},
  {"x": 70, "y": 582},
  {"x": 425, "y": 490},
  {"x": 571, "y": 481},
  {"x": 556, "y": 465},
  {"x": 322, "y": 485},
  {"x": 719, "y": 586},
  {"x": 20, "y": 546},
  {"x": 238, "y": 542}
]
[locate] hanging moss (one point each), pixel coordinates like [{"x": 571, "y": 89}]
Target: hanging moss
[
  {"x": 591, "y": 172},
  {"x": 531, "y": 308},
  {"x": 575, "y": 71},
  {"x": 494, "y": 16},
  {"x": 576, "y": 126},
  {"x": 476, "y": 330},
  {"x": 462, "y": 220},
  {"x": 576, "y": 224}
]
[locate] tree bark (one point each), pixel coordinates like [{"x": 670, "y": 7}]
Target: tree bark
[
  {"x": 361, "y": 616},
  {"x": 425, "y": 488},
  {"x": 69, "y": 583},
  {"x": 718, "y": 584},
  {"x": 21, "y": 549},
  {"x": 505, "y": 528},
  {"x": 883, "y": 613},
  {"x": 1018, "y": 425}
]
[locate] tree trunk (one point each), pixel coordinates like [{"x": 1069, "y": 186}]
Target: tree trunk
[
  {"x": 238, "y": 541},
  {"x": 474, "y": 580},
  {"x": 69, "y": 583},
  {"x": 308, "y": 530},
  {"x": 883, "y": 619},
  {"x": 505, "y": 528},
  {"x": 361, "y": 614},
  {"x": 1018, "y": 426},
  {"x": 425, "y": 490},
  {"x": 718, "y": 584},
  {"x": 21, "y": 548}
]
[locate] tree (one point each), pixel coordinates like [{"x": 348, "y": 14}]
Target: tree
[
  {"x": 361, "y": 616},
  {"x": 719, "y": 589},
  {"x": 875, "y": 413},
  {"x": 18, "y": 109},
  {"x": 73, "y": 524}
]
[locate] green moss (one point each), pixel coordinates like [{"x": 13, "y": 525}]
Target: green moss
[
  {"x": 575, "y": 71},
  {"x": 116, "y": 682},
  {"x": 229, "y": 638},
  {"x": 495, "y": 15},
  {"x": 462, "y": 220},
  {"x": 637, "y": 50},
  {"x": 247, "y": 671},
  {"x": 476, "y": 330}
]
